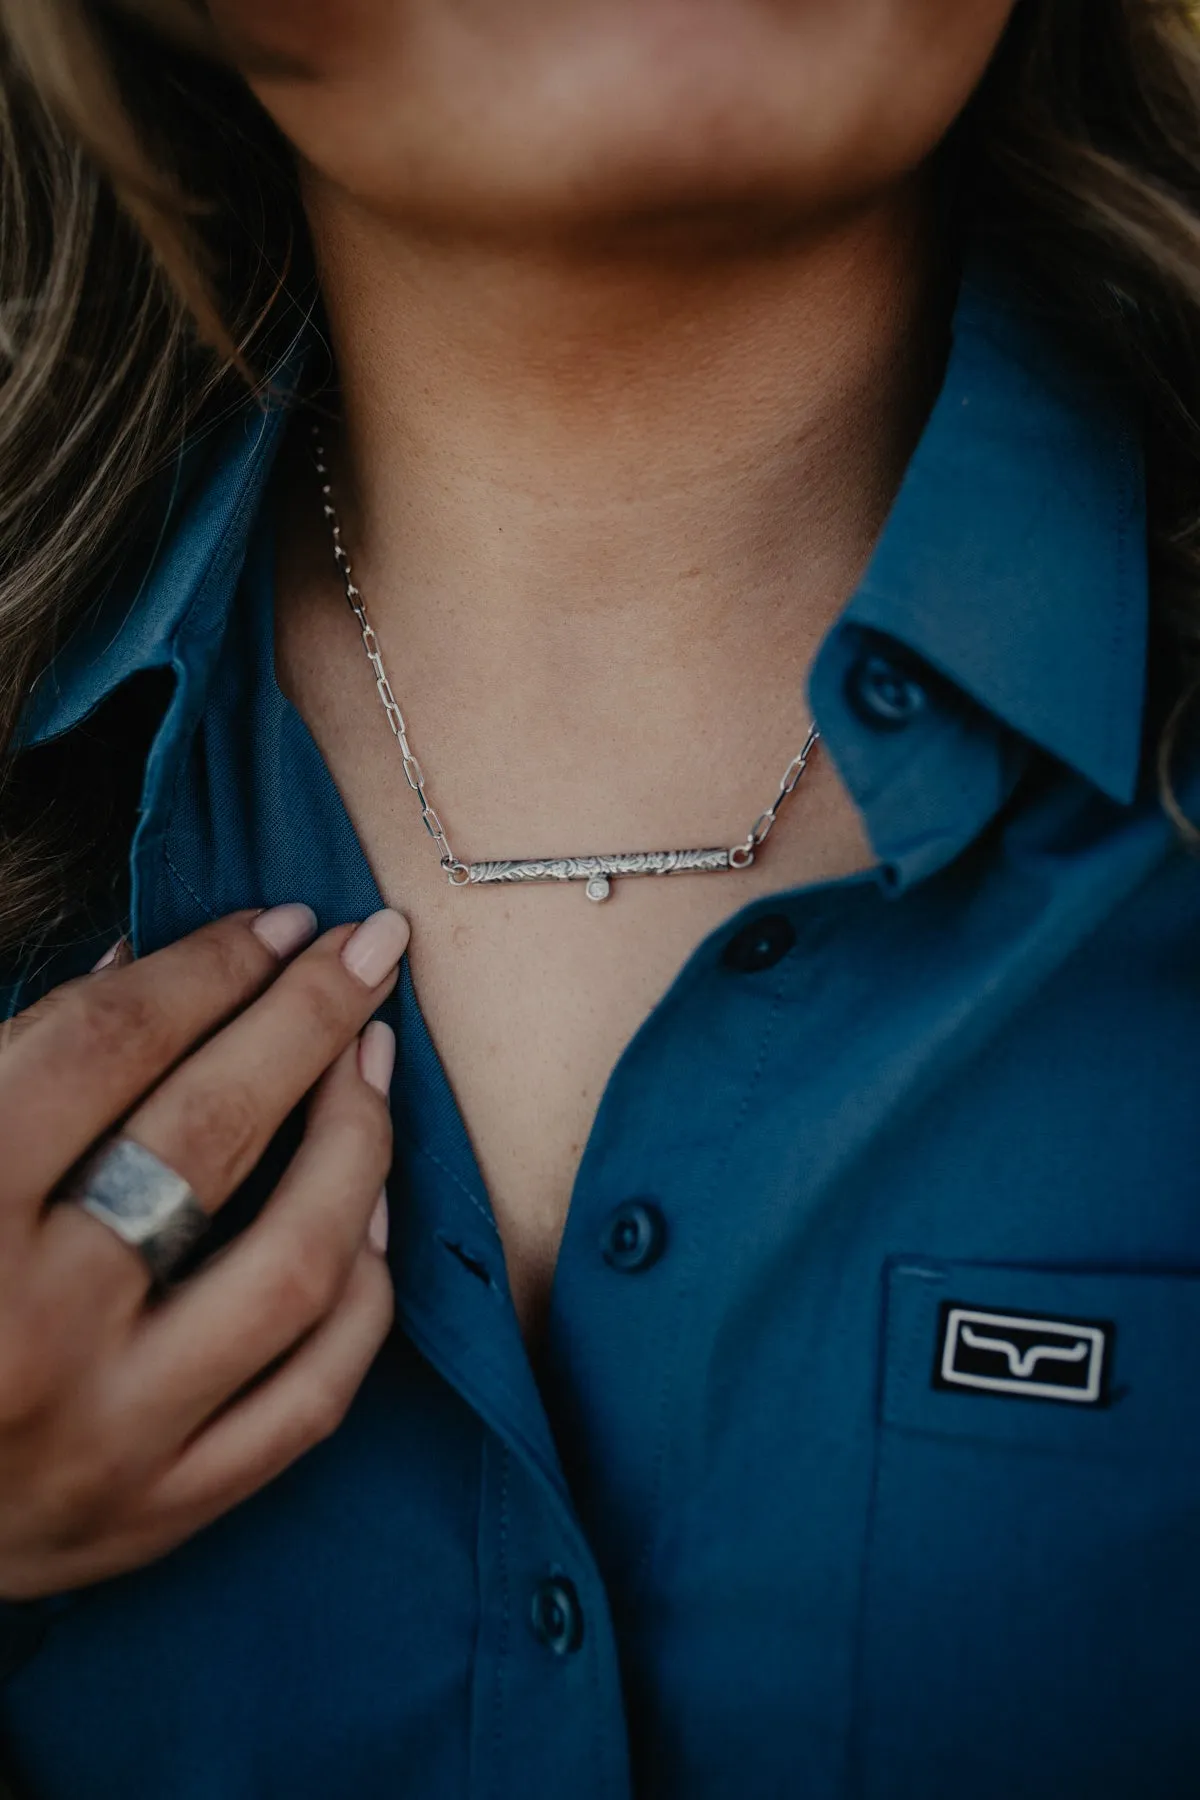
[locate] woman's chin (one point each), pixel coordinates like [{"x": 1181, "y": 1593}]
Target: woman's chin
[
  {"x": 620, "y": 173},
  {"x": 590, "y": 116}
]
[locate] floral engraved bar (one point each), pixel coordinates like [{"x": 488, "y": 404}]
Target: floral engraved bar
[{"x": 598, "y": 870}]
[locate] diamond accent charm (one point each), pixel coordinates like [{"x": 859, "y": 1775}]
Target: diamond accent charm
[{"x": 599, "y": 888}]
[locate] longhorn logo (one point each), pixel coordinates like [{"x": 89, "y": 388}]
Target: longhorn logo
[{"x": 1019, "y": 1353}]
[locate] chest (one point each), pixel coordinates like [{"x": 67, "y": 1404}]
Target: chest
[
  {"x": 980, "y": 1096},
  {"x": 531, "y": 992},
  {"x": 793, "y": 1523}
]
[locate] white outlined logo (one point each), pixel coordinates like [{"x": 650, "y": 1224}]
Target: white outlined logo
[{"x": 1019, "y": 1353}]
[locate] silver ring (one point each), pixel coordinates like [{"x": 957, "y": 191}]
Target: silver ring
[{"x": 146, "y": 1203}]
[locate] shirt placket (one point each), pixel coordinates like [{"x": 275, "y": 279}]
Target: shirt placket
[{"x": 547, "y": 1706}]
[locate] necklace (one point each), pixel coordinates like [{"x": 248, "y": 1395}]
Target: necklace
[{"x": 597, "y": 871}]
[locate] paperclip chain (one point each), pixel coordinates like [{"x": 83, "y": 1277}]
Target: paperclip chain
[
  {"x": 739, "y": 856},
  {"x": 413, "y": 773}
]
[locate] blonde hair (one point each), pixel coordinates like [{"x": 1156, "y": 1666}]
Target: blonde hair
[{"x": 152, "y": 254}]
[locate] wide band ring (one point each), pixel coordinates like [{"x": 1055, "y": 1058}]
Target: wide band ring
[{"x": 144, "y": 1201}]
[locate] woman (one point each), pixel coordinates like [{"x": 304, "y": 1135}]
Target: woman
[{"x": 779, "y": 1376}]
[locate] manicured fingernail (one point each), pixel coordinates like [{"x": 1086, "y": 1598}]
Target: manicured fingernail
[
  {"x": 377, "y": 1230},
  {"x": 284, "y": 929},
  {"x": 377, "y": 1056},
  {"x": 109, "y": 958},
  {"x": 376, "y": 947}
]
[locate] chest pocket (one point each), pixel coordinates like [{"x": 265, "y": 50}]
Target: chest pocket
[{"x": 1032, "y": 1609}]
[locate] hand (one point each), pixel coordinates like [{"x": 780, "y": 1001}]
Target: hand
[{"x": 128, "y": 1421}]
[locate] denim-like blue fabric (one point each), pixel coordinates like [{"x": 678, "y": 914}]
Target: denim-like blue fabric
[{"x": 801, "y": 1568}]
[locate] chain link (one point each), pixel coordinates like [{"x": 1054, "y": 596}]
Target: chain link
[
  {"x": 456, "y": 870},
  {"x": 740, "y": 856},
  {"x": 762, "y": 826}
]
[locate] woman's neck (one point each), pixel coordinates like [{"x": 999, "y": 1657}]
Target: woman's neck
[{"x": 646, "y": 444}]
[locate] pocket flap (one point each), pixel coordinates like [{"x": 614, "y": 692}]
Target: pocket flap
[{"x": 1103, "y": 1364}]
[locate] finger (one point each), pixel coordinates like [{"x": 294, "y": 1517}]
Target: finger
[
  {"x": 280, "y": 1277},
  {"x": 213, "y": 1118},
  {"x": 250, "y": 1443},
  {"x": 116, "y": 956},
  {"x": 89, "y": 1051},
  {"x": 302, "y": 1403}
]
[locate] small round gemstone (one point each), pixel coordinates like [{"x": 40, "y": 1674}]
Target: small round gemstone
[{"x": 598, "y": 888}]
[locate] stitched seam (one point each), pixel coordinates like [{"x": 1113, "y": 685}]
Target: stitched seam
[
  {"x": 186, "y": 885},
  {"x": 177, "y": 787},
  {"x": 684, "y": 1292},
  {"x": 478, "y": 1700},
  {"x": 460, "y": 1184},
  {"x": 601, "y": 1748},
  {"x": 857, "y": 1718},
  {"x": 502, "y": 1633}
]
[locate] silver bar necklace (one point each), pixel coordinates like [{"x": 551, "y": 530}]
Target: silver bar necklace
[{"x": 598, "y": 872}]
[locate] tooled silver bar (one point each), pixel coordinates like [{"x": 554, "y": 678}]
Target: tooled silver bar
[{"x": 589, "y": 868}]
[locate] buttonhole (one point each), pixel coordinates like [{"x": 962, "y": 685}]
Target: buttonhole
[{"x": 474, "y": 1264}]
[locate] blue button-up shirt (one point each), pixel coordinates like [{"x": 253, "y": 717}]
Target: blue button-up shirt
[{"x": 866, "y": 1461}]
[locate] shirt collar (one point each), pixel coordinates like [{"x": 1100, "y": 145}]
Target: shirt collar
[
  {"x": 215, "y": 488},
  {"x": 1013, "y": 560}
]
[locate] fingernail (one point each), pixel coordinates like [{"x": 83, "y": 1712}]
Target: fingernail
[
  {"x": 284, "y": 929},
  {"x": 377, "y": 1230},
  {"x": 376, "y": 947},
  {"x": 110, "y": 956},
  {"x": 377, "y": 1056}
]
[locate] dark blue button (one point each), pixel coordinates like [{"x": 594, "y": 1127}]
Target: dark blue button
[
  {"x": 633, "y": 1237},
  {"x": 556, "y": 1615},
  {"x": 760, "y": 944},
  {"x": 884, "y": 694}
]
